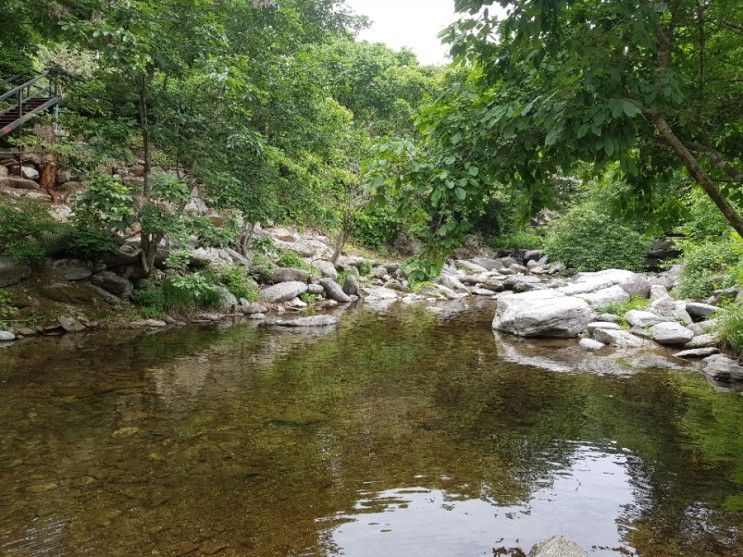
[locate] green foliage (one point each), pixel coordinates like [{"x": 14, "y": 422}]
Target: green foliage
[
  {"x": 178, "y": 293},
  {"x": 517, "y": 240},
  {"x": 105, "y": 206},
  {"x": 419, "y": 269},
  {"x": 260, "y": 266},
  {"x": 709, "y": 266},
  {"x": 239, "y": 283},
  {"x": 585, "y": 239},
  {"x": 365, "y": 268},
  {"x": 26, "y": 229},
  {"x": 731, "y": 327},
  {"x": 262, "y": 245},
  {"x": 620, "y": 308},
  {"x": 178, "y": 259},
  {"x": 309, "y": 298},
  {"x": 704, "y": 221},
  {"x": 290, "y": 258},
  {"x": 376, "y": 227},
  {"x": 7, "y": 309}
]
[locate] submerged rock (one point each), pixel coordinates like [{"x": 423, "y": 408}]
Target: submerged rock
[
  {"x": 557, "y": 546},
  {"x": 591, "y": 344},
  {"x": 6, "y": 336},
  {"x": 542, "y": 313},
  {"x": 618, "y": 338},
  {"x": 312, "y": 321},
  {"x": 722, "y": 368}
]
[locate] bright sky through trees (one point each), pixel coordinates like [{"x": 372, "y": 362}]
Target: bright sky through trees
[{"x": 412, "y": 23}]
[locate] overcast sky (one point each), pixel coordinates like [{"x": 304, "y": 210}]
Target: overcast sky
[{"x": 412, "y": 23}]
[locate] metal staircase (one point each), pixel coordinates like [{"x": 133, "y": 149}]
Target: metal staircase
[{"x": 27, "y": 99}]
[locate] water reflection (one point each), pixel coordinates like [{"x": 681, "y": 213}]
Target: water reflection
[
  {"x": 580, "y": 502},
  {"x": 398, "y": 434}
]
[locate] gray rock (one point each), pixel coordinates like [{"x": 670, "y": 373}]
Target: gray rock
[
  {"x": 557, "y": 546},
  {"x": 608, "y": 317},
  {"x": 6, "y": 336},
  {"x": 63, "y": 176},
  {"x": 148, "y": 324},
  {"x": 639, "y": 318},
  {"x": 452, "y": 282},
  {"x": 257, "y": 316},
  {"x": 70, "y": 324},
  {"x": 701, "y": 311},
  {"x": 315, "y": 289},
  {"x": 487, "y": 262},
  {"x": 697, "y": 352},
  {"x": 704, "y": 327},
  {"x": 542, "y": 313},
  {"x": 591, "y": 344},
  {"x": 326, "y": 268},
  {"x": 283, "y": 292},
  {"x": 312, "y": 321},
  {"x": 252, "y": 308},
  {"x": 18, "y": 183},
  {"x": 533, "y": 255},
  {"x": 351, "y": 285},
  {"x": 618, "y": 338},
  {"x": 381, "y": 293},
  {"x": 670, "y": 333},
  {"x": 605, "y": 296},
  {"x": 470, "y": 267},
  {"x": 333, "y": 291},
  {"x": 703, "y": 341},
  {"x": 113, "y": 283},
  {"x": 380, "y": 272},
  {"x": 602, "y": 325},
  {"x": 29, "y": 173},
  {"x": 237, "y": 257},
  {"x": 12, "y": 272},
  {"x": 71, "y": 269},
  {"x": 227, "y": 299},
  {"x": 671, "y": 310},
  {"x": 288, "y": 274},
  {"x": 658, "y": 291},
  {"x": 632, "y": 283},
  {"x": 477, "y": 291},
  {"x": 723, "y": 294},
  {"x": 722, "y": 368}
]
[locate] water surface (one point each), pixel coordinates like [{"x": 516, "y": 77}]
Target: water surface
[{"x": 405, "y": 434}]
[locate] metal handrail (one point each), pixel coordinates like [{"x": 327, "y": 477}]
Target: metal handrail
[{"x": 22, "y": 86}]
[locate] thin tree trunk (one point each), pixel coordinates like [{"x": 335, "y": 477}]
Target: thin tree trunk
[
  {"x": 342, "y": 238},
  {"x": 691, "y": 164},
  {"x": 146, "y": 239}
]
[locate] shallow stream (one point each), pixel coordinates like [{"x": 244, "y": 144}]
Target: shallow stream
[{"x": 398, "y": 434}]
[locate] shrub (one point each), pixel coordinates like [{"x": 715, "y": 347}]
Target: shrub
[
  {"x": 376, "y": 227},
  {"x": 26, "y": 229},
  {"x": 7, "y": 309},
  {"x": 365, "y": 268},
  {"x": 262, "y": 245},
  {"x": 309, "y": 298},
  {"x": 237, "y": 281},
  {"x": 420, "y": 269},
  {"x": 586, "y": 239},
  {"x": 194, "y": 291},
  {"x": 731, "y": 328},
  {"x": 517, "y": 240},
  {"x": 709, "y": 266},
  {"x": 88, "y": 243},
  {"x": 289, "y": 258},
  {"x": 620, "y": 308}
]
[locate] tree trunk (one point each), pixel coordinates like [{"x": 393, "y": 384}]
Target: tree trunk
[
  {"x": 691, "y": 164},
  {"x": 342, "y": 238},
  {"x": 146, "y": 240}
]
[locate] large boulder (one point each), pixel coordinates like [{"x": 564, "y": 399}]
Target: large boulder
[
  {"x": 701, "y": 311},
  {"x": 542, "y": 313},
  {"x": 18, "y": 183},
  {"x": 351, "y": 285},
  {"x": 632, "y": 283},
  {"x": 113, "y": 283},
  {"x": 722, "y": 368},
  {"x": 283, "y": 292},
  {"x": 670, "y": 333},
  {"x": 288, "y": 274},
  {"x": 12, "y": 272},
  {"x": 71, "y": 269},
  {"x": 7, "y": 336},
  {"x": 381, "y": 293},
  {"x": 605, "y": 296},
  {"x": 326, "y": 268},
  {"x": 642, "y": 319},
  {"x": 334, "y": 291},
  {"x": 227, "y": 299}
]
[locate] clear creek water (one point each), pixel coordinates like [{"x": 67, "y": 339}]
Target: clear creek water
[{"x": 401, "y": 434}]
